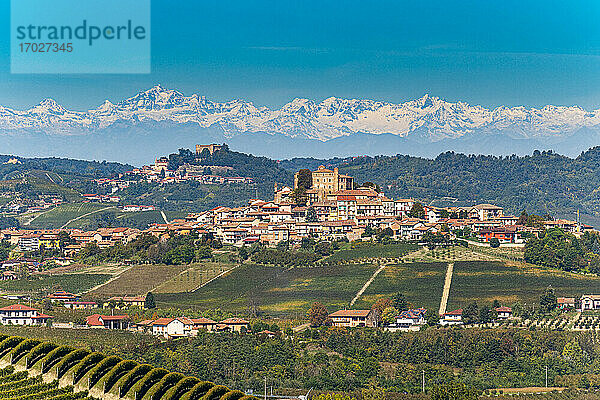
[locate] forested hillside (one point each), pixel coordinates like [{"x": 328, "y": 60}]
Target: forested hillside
[{"x": 544, "y": 183}]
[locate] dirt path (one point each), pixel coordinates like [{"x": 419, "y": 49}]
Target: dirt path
[
  {"x": 446, "y": 291},
  {"x": 367, "y": 284},
  {"x": 164, "y": 216},
  {"x": 85, "y": 215},
  {"x": 216, "y": 277}
]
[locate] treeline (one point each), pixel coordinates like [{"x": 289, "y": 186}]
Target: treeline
[
  {"x": 557, "y": 249},
  {"x": 92, "y": 169},
  {"x": 544, "y": 183},
  {"x": 348, "y": 360},
  {"x": 177, "y": 249}
]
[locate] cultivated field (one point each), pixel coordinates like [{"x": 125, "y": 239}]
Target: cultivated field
[
  {"x": 193, "y": 277},
  {"x": 76, "y": 283},
  {"x": 275, "y": 290},
  {"x": 486, "y": 281},
  {"x": 137, "y": 280},
  {"x": 421, "y": 284},
  {"x": 368, "y": 250},
  {"x": 82, "y": 215}
]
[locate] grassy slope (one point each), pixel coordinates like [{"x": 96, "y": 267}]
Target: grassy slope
[
  {"x": 421, "y": 284},
  {"x": 277, "y": 290},
  {"x": 138, "y": 280},
  {"x": 75, "y": 283},
  {"x": 486, "y": 281}
]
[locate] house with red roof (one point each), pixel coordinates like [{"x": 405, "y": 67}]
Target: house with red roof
[
  {"x": 452, "y": 318},
  {"x": 172, "y": 327},
  {"x": 504, "y": 312},
  {"x": 107, "y": 321},
  {"x": 19, "y": 314}
]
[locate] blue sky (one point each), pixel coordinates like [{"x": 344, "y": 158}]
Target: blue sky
[{"x": 528, "y": 53}]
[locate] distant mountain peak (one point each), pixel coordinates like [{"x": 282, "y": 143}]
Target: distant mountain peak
[{"x": 429, "y": 117}]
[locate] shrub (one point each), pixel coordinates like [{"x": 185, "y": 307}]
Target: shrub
[
  {"x": 215, "y": 393},
  {"x": 85, "y": 365},
  {"x": 199, "y": 390},
  {"x": 177, "y": 391},
  {"x": 168, "y": 381},
  {"x": 8, "y": 344},
  {"x": 102, "y": 368},
  {"x": 130, "y": 378},
  {"x": 69, "y": 361},
  {"x": 148, "y": 381},
  {"x": 117, "y": 372},
  {"x": 39, "y": 352},
  {"x": 233, "y": 395},
  {"x": 21, "y": 349},
  {"x": 54, "y": 356}
]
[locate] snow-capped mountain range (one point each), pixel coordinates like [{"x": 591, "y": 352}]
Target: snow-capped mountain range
[{"x": 431, "y": 118}]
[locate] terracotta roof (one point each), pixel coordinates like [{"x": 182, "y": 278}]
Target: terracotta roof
[
  {"x": 17, "y": 307},
  {"x": 234, "y": 321},
  {"x": 350, "y": 313},
  {"x": 203, "y": 321}
]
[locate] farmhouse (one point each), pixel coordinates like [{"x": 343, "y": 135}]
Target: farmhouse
[
  {"x": 62, "y": 296},
  {"x": 172, "y": 327},
  {"x": 504, "y": 312},
  {"x": 353, "y": 318},
  {"x": 19, "y": 314},
  {"x": 233, "y": 324},
  {"x": 590, "y": 302},
  {"x": 565, "y": 303},
  {"x": 108, "y": 321},
  {"x": 127, "y": 301},
  {"x": 452, "y": 318},
  {"x": 409, "y": 320},
  {"x": 80, "y": 305}
]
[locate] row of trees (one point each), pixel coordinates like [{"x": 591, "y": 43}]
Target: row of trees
[{"x": 557, "y": 249}]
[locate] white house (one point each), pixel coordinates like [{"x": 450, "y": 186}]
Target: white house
[
  {"x": 590, "y": 302},
  {"x": 19, "y": 314},
  {"x": 172, "y": 327},
  {"x": 504, "y": 312},
  {"x": 452, "y": 318},
  {"x": 409, "y": 320}
]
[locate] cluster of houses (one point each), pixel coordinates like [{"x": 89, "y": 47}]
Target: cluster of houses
[
  {"x": 159, "y": 172},
  {"x": 335, "y": 209},
  {"x": 414, "y": 319},
  {"x": 22, "y": 205}
]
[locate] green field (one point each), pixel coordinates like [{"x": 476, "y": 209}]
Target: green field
[
  {"x": 277, "y": 291},
  {"x": 371, "y": 250},
  {"x": 192, "y": 277},
  {"x": 486, "y": 281},
  {"x": 137, "y": 280},
  {"x": 84, "y": 215},
  {"x": 421, "y": 284},
  {"x": 76, "y": 283}
]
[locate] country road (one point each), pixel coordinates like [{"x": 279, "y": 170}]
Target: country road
[
  {"x": 367, "y": 284},
  {"x": 446, "y": 291}
]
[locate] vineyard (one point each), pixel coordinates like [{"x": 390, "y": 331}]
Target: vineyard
[{"x": 35, "y": 370}]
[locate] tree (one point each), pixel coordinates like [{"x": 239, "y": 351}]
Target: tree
[
  {"x": 417, "y": 211},
  {"x": 203, "y": 252},
  {"x": 432, "y": 317},
  {"x": 399, "y": 302},
  {"x": 494, "y": 243},
  {"x": 548, "y": 300},
  {"x": 381, "y": 304},
  {"x": 311, "y": 215},
  {"x": 149, "y": 303},
  {"x": 485, "y": 315},
  {"x": 304, "y": 179},
  {"x": 388, "y": 316},
  {"x": 470, "y": 314},
  {"x": 317, "y": 314},
  {"x": 453, "y": 391}
]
